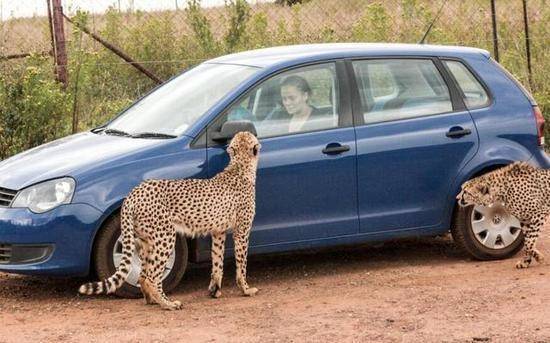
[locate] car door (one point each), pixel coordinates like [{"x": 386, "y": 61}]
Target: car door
[
  {"x": 306, "y": 185},
  {"x": 413, "y": 136}
]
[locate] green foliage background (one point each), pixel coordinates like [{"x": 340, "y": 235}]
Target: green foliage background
[{"x": 35, "y": 109}]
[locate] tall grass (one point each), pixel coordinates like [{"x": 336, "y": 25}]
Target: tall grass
[{"x": 34, "y": 109}]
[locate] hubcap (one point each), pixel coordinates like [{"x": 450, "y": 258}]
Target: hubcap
[
  {"x": 135, "y": 270},
  {"x": 494, "y": 227}
]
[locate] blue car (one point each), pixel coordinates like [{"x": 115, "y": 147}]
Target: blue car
[{"x": 360, "y": 142}]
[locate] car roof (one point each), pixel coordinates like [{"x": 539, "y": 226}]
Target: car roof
[{"x": 311, "y": 52}]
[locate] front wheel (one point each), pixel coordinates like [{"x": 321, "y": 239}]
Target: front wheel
[
  {"x": 108, "y": 253},
  {"x": 487, "y": 233}
]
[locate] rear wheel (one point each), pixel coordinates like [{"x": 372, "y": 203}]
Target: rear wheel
[
  {"x": 487, "y": 233},
  {"x": 108, "y": 253}
]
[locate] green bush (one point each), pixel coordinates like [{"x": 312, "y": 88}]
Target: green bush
[
  {"x": 33, "y": 110},
  {"x": 374, "y": 26},
  {"x": 239, "y": 13}
]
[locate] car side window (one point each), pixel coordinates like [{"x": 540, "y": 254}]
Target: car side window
[
  {"x": 299, "y": 100},
  {"x": 393, "y": 89},
  {"x": 475, "y": 95}
]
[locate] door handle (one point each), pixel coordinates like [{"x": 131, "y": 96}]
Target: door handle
[
  {"x": 335, "y": 148},
  {"x": 459, "y": 132}
]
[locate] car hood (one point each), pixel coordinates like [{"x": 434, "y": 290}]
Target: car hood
[{"x": 68, "y": 157}]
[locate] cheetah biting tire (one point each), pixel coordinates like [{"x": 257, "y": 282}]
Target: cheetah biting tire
[{"x": 523, "y": 191}]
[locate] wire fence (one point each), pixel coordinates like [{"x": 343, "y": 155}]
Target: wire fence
[{"x": 177, "y": 34}]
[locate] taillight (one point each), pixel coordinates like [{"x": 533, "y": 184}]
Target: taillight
[{"x": 540, "y": 124}]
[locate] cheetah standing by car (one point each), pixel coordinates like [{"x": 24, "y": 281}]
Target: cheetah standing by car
[
  {"x": 156, "y": 210},
  {"x": 524, "y": 191}
]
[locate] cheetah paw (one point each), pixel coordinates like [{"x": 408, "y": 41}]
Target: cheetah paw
[
  {"x": 149, "y": 301},
  {"x": 522, "y": 264},
  {"x": 174, "y": 306},
  {"x": 251, "y": 292},
  {"x": 215, "y": 291}
]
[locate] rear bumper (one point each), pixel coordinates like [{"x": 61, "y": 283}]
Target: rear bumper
[
  {"x": 57, "y": 243},
  {"x": 541, "y": 159}
]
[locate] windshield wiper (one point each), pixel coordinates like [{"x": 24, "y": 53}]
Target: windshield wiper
[
  {"x": 152, "y": 135},
  {"x": 98, "y": 129},
  {"x": 116, "y": 132}
]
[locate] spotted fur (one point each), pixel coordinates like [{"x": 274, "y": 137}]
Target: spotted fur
[
  {"x": 524, "y": 191},
  {"x": 157, "y": 210}
]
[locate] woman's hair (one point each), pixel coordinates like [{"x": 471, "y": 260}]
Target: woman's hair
[{"x": 298, "y": 82}]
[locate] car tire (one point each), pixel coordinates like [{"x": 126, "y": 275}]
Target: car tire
[
  {"x": 104, "y": 264},
  {"x": 465, "y": 238}
]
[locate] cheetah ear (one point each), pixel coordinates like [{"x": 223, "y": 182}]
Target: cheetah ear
[
  {"x": 230, "y": 151},
  {"x": 256, "y": 149}
]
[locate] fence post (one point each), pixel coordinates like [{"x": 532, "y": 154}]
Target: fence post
[
  {"x": 59, "y": 39},
  {"x": 527, "y": 44},
  {"x": 495, "y": 35},
  {"x": 50, "y": 22}
]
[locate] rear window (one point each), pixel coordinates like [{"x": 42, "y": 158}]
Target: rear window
[
  {"x": 475, "y": 95},
  {"x": 396, "y": 89}
]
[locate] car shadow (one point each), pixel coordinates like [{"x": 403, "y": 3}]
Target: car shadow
[
  {"x": 280, "y": 267},
  {"x": 276, "y": 268}
]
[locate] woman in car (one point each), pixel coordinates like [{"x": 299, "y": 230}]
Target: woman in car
[{"x": 297, "y": 113}]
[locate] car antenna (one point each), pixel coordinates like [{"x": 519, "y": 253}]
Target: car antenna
[{"x": 432, "y": 23}]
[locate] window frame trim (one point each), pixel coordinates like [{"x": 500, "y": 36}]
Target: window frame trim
[
  {"x": 345, "y": 115},
  {"x": 457, "y": 101}
]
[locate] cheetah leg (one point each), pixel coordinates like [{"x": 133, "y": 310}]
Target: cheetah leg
[
  {"x": 218, "y": 249},
  {"x": 149, "y": 291},
  {"x": 157, "y": 263},
  {"x": 143, "y": 249},
  {"x": 537, "y": 255},
  {"x": 531, "y": 234},
  {"x": 241, "y": 255},
  {"x": 156, "y": 294},
  {"x": 526, "y": 260}
]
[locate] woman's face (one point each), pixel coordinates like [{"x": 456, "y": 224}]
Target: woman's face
[{"x": 294, "y": 100}]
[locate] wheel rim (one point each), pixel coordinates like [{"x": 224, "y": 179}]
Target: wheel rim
[
  {"x": 494, "y": 227},
  {"x": 135, "y": 269}
]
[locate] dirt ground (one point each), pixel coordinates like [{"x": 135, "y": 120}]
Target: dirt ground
[{"x": 408, "y": 291}]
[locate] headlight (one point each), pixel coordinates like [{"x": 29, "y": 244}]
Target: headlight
[{"x": 45, "y": 196}]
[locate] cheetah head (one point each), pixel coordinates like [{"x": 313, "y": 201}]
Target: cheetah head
[
  {"x": 244, "y": 149},
  {"x": 478, "y": 191}
]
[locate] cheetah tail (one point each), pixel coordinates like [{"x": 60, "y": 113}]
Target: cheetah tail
[{"x": 115, "y": 281}]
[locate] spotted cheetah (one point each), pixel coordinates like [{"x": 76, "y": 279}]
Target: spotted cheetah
[
  {"x": 157, "y": 210},
  {"x": 523, "y": 190}
]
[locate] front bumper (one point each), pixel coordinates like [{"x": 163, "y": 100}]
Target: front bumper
[{"x": 57, "y": 243}]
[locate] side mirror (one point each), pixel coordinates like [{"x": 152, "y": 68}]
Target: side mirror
[{"x": 231, "y": 128}]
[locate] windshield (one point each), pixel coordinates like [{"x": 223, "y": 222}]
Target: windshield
[{"x": 172, "y": 108}]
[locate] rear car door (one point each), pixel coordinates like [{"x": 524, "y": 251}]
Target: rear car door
[
  {"x": 306, "y": 181},
  {"x": 414, "y": 134}
]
